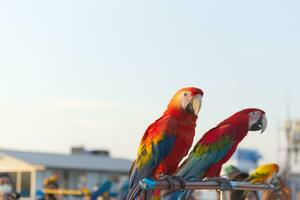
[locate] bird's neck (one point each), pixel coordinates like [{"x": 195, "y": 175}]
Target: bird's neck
[
  {"x": 241, "y": 126},
  {"x": 181, "y": 115}
]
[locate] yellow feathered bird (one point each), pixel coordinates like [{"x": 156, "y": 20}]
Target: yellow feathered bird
[{"x": 263, "y": 173}]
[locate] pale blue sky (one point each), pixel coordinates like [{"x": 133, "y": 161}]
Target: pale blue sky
[{"x": 97, "y": 73}]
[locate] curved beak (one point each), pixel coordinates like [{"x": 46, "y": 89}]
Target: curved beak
[
  {"x": 194, "y": 105},
  {"x": 276, "y": 167},
  {"x": 261, "y": 124},
  {"x": 264, "y": 123}
]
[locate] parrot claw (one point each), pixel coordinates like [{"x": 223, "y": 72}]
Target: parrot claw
[
  {"x": 171, "y": 182},
  {"x": 180, "y": 180},
  {"x": 224, "y": 183}
]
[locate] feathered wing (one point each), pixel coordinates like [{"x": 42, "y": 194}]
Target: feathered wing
[
  {"x": 212, "y": 148},
  {"x": 155, "y": 146},
  {"x": 257, "y": 177}
]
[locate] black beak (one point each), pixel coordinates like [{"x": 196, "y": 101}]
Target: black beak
[
  {"x": 258, "y": 125},
  {"x": 189, "y": 108}
]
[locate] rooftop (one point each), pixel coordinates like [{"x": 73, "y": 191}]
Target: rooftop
[{"x": 89, "y": 162}]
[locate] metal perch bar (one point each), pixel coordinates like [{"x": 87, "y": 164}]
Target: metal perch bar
[{"x": 149, "y": 184}]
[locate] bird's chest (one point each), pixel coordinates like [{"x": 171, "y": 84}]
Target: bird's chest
[
  {"x": 183, "y": 143},
  {"x": 185, "y": 135}
]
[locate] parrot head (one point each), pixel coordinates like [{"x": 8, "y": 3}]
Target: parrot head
[
  {"x": 186, "y": 100},
  {"x": 253, "y": 119},
  {"x": 274, "y": 167},
  {"x": 257, "y": 120}
]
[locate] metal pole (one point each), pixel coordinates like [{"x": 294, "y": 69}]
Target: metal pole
[
  {"x": 149, "y": 184},
  {"x": 221, "y": 194},
  {"x": 224, "y": 195}
]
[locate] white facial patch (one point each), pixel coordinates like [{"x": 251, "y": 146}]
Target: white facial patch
[
  {"x": 185, "y": 99},
  {"x": 253, "y": 117}
]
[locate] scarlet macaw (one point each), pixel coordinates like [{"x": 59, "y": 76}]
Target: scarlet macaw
[{"x": 167, "y": 140}]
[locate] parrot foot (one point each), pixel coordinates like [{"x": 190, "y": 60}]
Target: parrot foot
[
  {"x": 224, "y": 183},
  {"x": 180, "y": 180},
  {"x": 170, "y": 180}
]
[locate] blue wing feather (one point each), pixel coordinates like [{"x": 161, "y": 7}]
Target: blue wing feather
[{"x": 159, "y": 151}]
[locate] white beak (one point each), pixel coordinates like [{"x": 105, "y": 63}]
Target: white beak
[{"x": 197, "y": 103}]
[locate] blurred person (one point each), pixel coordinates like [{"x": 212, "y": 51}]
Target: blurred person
[
  {"x": 86, "y": 193},
  {"x": 281, "y": 192},
  {"x": 6, "y": 188},
  {"x": 51, "y": 183}
]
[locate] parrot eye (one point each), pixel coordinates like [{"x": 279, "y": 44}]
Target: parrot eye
[
  {"x": 253, "y": 113},
  {"x": 185, "y": 94}
]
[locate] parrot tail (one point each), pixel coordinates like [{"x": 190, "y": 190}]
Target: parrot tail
[{"x": 133, "y": 193}]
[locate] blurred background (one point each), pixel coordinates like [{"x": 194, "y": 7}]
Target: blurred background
[{"x": 80, "y": 82}]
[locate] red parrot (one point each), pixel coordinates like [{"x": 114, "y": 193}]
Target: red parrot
[
  {"x": 168, "y": 139},
  {"x": 217, "y": 146}
]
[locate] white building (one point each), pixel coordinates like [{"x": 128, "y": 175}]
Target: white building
[{"x": 81, "y": 167}]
